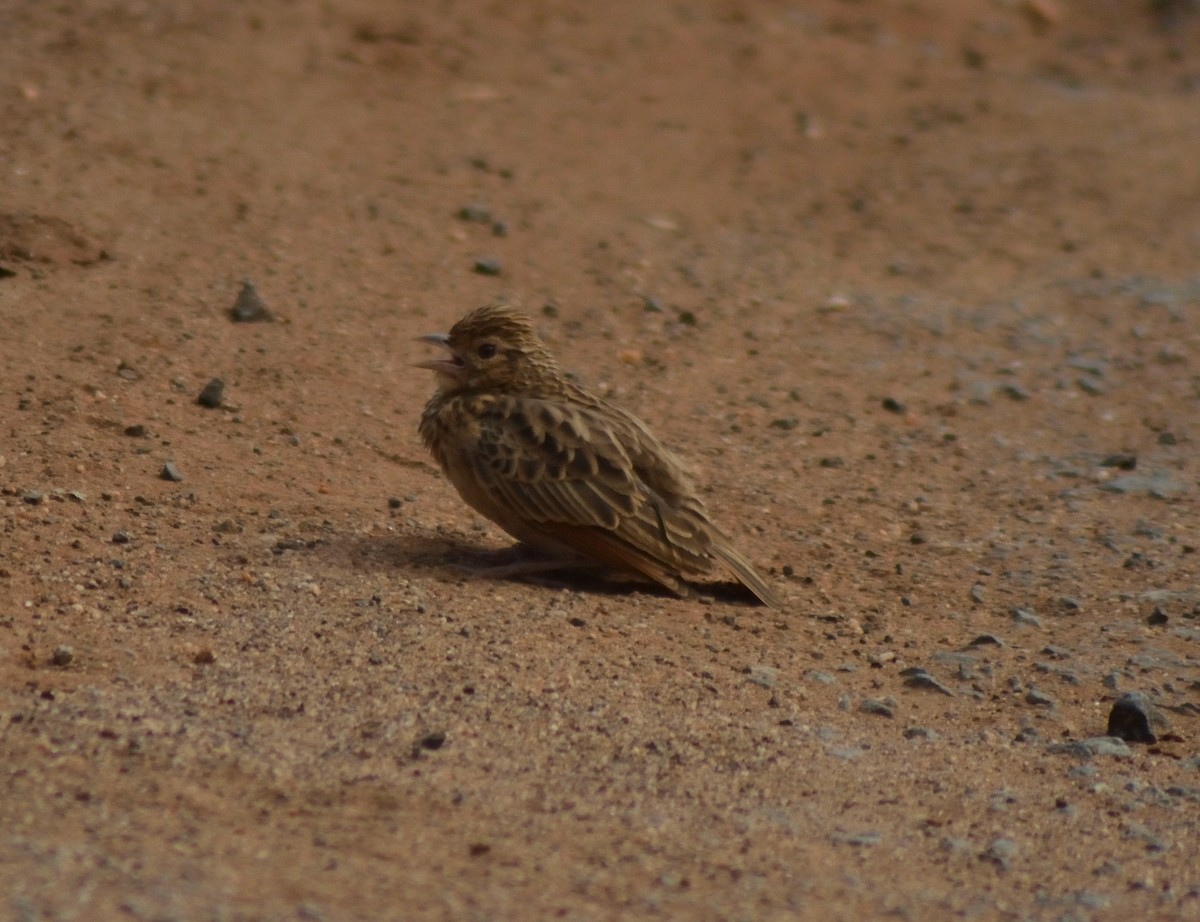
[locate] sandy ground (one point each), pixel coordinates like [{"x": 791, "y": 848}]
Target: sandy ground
[{"x": 915, "y": 288}]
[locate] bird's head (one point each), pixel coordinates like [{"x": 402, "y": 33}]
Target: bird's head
[{"x": 493, "y": 348}]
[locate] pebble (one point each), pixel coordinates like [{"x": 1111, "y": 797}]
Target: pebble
[
  {"x": 1092, "y": 746},
  {"x": 1158, "y": 484},
  {"x": 170, "y": 472},
  {"x": 859, "y": 839},
  {"x": 1000, "y": 852},
  {"x": 212, "y": 395},
  {"x": 62, "y": 656},
  {"x": 816, "y": 675},
  {"x": 881, "y": 707},
  {"x": 1125, "y": 462},
  {"x": 32, "y": 497},
  {"x": 920, "y": 733},
  {"x": 475, "y": 213},
  {"x": 1025, "y": 616},
  {"x": 249, "y": 306},
  {"x": 1133, "y": 718},
  {"x": 136, "y": 431},
  {"x": 1140, "y": 833},
  {"x": 917, "y": 677},
  {"x": 487, "y": 265},
  {"x": 762, "y": 675},
  {"x": 432, "y": 741},
  {"x": 892, "y": 405},
  {"x": 121, "y": 537},
  {"x": 985, "y": 640},
  {"x": 1038, "y": 698}
]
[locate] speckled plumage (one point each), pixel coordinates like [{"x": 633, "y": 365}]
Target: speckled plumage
[{"x": 560, "y": 468}]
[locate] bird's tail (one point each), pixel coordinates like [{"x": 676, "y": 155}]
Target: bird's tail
[{"x": 745, "y": 572}]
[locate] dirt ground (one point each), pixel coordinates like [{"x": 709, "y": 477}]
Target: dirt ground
[{"x": 913, "y": 285}]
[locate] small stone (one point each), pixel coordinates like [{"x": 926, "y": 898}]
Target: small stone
[
  {"x": 136, "y": 431},
  {"x": 892, "y": 405},
  {"x": 204, "y": 657},
  {"x": 984, "y": 640},
  {"x": 395, "y": 502},
  {"x": 1000, "y": 852},
  {"x": 1025, "y": 616},
  {"x": 1092, "y": 746},
  {"x": 432, "y": 741},
  {"x": 1157, "y": 617},
  {"x": 762, "y": 675},
  {"x": 121, "y": 537},
  {"x": 1158, "y": 484},
  {"x": 816, "y": 675},
  {"x": 1133, "y": 718},
  {"x": 977, "y": 593},
  {"x": 487, "y": 265},
  {"x": 787, "y": 423},
  {"x": 917, "y": 677},
  {"x": 212, "y": 395},
  {"x": 127, "y": 372},
  {"x": 1038, "y": 698},
  {"x": 62, "y": 656},
  {"x": 920, "y": 733},
  {"x": 170, "y": 472},
  {"x": 475, "y": 213},
  {"x": 32, "y": 497},
  {"x": 859, "y": 839},
  {"x": 1122, "y": 461},
  {"x": 249, "y": 306},
  {"x": 880, "y": 707}
]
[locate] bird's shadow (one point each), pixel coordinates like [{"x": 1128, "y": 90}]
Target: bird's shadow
[{"x": 446, "y": 557}]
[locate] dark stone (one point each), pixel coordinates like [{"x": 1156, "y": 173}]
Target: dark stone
[
  {"x": 213, "y": 394},
  {"x": 1133, "y": 718},
  {"x": 486, "y": 265},
  {"x": 249, "y": 306}
]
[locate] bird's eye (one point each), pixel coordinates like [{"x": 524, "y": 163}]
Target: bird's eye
[{"x": 486, "y": 351}]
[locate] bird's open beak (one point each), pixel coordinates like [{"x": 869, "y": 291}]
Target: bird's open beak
[{"x": 451, "y": 365}]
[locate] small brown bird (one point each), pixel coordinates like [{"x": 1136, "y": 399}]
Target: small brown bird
[{"x": 561, "y": 469}]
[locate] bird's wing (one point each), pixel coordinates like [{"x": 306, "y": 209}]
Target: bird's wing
[{"x": 575, "y": 473}]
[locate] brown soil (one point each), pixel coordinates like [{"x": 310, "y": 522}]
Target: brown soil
[{"x": 913, "y": 285}]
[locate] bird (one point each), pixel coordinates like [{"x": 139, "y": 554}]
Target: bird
[{"x": 566, "y": 472}]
